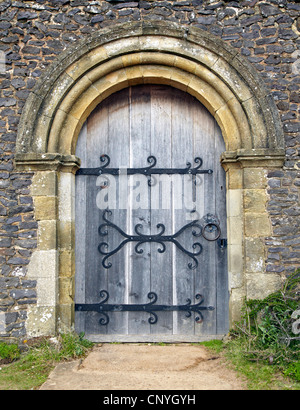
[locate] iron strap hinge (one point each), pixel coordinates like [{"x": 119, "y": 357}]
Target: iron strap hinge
[
  {"x": 148, "y": 171},
  {"x": 150, "y": 307},
  {"x": 209, "y": 230}
]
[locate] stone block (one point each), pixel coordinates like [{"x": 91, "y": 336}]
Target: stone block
[
  {"x": 236, "y": 301},
  {"x": 235, "y": 178},
  {"x": 45, "y": 207},
  {"x": 3, "y": 323},
  {"x": 44, "y": 183},
  {"x": 66, "y": 290},
  {"x": 180, "y": 79},
  {"x": 93, "y": 58},
  {"x": 79, "y": 88},
  {"x": 134, "y": 59},
  {"x": 257, "y": 225},
  {"x": 255, "y": 178},
  {"x": 66, "y": 263},
  {"x": 63, "y": 124},
  {"x": 134, "y": 75},
  {"x": 47, "y": 291},
  {"x": 235, "y": 266},
  {"x": 234, "y": 202},
  {"x": 255, "y": 200},
  {"x": 43, "y": 264},
  {"x": 235, "y": 82},
  {"x": 206, "y": 94},
  {"x": 258, "y": 128},
  {"x": 66, "y": 235},
  {"x": 149, "y": 72},
  {"x": 109, "y": 83},
  {"x": 255, "y": 255},
  {"x": 235, "y": 230},
  {"x": 229, "y": 127},
  {"x": 47, "y": 235},
  {"x": 79, "y": 105},
  {"x": 260, "y": 285},
  {"x": 66, "y": 188},
  {"x": 43, "y": 268},
  {"x": 41, "y": 321},
  {"x": 66, "y": 317},
  {"x": 122, "y": 46},
  {"x": 18, "y": 294},
  {"x": 56, "y": 95},
  {"x": 185, "y": 65}
]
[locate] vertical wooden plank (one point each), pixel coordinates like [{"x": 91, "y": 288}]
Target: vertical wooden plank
[
  {"x": 80, "y": 233},
  {"x": 222, "y": 296},
  {"x": 182, "y": 152},
  {"x": 139, "y": 208},
  {"x": 96, "y": 275},
  {"x": 118, "y": 150},
  {"x": 161, "y": 210},
  {"x": 206, "y": 272}
]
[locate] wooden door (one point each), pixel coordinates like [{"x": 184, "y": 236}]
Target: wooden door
[{"x": 147, "y": 245}]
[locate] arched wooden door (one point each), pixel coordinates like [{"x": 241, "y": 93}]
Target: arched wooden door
[{"x": 151, "y": 259}]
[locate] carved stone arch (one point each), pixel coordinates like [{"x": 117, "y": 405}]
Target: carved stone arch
[
  {"x": 108, "y": 61},
  {"x": 187, "y": 58}
]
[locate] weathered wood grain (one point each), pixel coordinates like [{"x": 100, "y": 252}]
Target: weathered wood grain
[{"x": 174, "y": 127}]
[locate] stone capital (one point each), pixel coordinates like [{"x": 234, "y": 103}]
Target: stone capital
[
  {"x": 47, "y": 162},
  {"x": 260, "y": 157}
]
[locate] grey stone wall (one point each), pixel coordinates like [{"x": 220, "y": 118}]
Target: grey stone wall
[{"x": 33, "y": 33}]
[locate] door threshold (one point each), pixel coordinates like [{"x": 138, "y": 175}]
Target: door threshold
[{"x": 152, "y": 338}]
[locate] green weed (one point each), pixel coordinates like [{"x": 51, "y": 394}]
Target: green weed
[
  {"x": 9, "y": 351},
  {"x": 215, "y": 345},
  {"x": 265, "y": 334},
  {"x": 32, "y": 368}
]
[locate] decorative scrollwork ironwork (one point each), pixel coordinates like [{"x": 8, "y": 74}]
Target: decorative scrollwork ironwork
[
  {"x": 150, "y": 308},
  {"x": 211, "y": 227},
  {"x": 148, "y": 171}
]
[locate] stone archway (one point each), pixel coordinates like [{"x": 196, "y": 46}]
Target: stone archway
[{"x": 183, "y": 57}]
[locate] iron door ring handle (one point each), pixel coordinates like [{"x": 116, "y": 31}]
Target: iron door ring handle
[{"x": 218, "y": 232}]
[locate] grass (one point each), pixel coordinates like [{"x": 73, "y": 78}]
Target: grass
[
  {"x": 258, "y": 375},
  {"x": 263, "y": 346},
  {"x": 9, "y": 352},
  {"x": 29, "y": 370}
]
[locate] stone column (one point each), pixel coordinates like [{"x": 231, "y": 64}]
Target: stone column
[
  {"x": 44, "y": 262},
  {"x": 66, "y": 250},
  {"x": 53, "y": 262},
  {"x": 235, "y": 230},
  {"x": 248, "y": 225}
]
